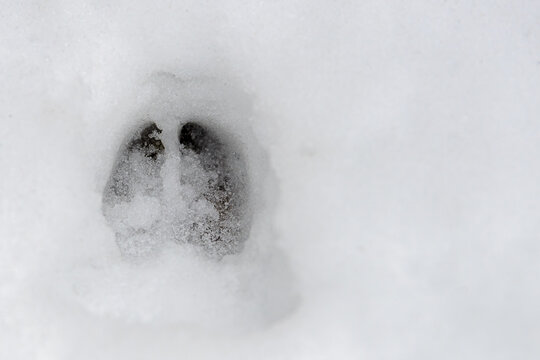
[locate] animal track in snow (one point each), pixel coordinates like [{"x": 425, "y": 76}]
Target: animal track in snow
[{"x": 191, "y": 190}]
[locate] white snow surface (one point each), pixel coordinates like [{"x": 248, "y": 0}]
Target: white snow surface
[{"x": 392, "y": 148}]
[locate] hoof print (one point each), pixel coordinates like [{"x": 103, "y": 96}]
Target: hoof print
[
  {"x": 210, "y": 209},
  {"x": 131, "y": 202},
  {"x": 221, "y": 182}
]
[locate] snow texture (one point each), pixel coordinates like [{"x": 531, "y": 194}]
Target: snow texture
[{"x": 379, "y": 159}]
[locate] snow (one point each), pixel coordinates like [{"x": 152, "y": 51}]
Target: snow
[{"x": 391, "y": 149}]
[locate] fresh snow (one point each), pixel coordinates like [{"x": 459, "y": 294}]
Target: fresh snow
[{"x": 392, "y": 154}]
